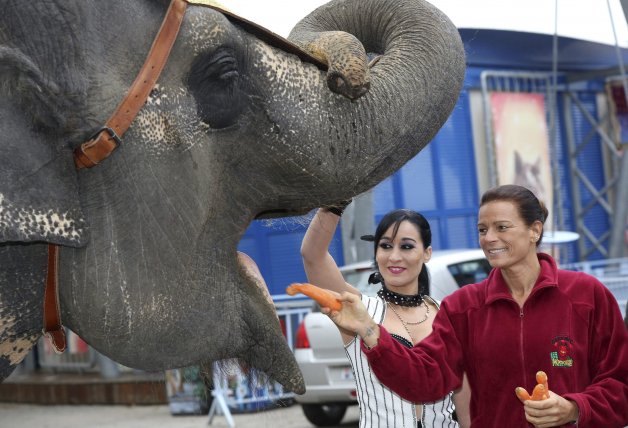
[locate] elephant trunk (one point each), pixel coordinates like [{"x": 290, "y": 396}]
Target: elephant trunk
[{"x": 414, "y": 84}]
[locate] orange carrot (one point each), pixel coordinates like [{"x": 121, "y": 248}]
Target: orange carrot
[
  {"x": 540, "y": 393},
  {"x": 522, "y": 394},
  {"x": 323, "y": 297},
  {"x": 541, "y": 377}
]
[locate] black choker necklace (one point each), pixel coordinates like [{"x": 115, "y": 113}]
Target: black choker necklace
[{"x": 399, "y": 299}]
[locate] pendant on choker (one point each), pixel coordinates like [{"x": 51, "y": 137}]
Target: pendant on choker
[{"x": 399, "y": 299}]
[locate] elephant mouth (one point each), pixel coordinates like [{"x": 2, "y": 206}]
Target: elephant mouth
[
  {"x": 281, "y": 366},
  {"x": 281, "y": 212}
]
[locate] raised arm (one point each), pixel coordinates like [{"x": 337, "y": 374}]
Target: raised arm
[{"x": 320, "y": 267}]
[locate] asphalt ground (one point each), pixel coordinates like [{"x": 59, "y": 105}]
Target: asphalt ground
[{"x": 155, "y": 416}]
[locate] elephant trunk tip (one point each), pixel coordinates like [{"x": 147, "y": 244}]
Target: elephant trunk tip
[{"x": 339, "y": 84}]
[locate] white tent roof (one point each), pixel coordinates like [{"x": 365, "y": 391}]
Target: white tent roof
[{"x": 580, "y": 19}]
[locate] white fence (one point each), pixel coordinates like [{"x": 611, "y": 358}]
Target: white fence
[{"x": 77, "y": 357}]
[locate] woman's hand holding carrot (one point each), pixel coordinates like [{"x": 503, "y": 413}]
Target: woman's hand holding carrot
[
  {"x": 354, "y": 319},
  {"x": 554, "y": 411},
  {"x": 545, "y": 409},
  {"x": 540, "y": 392},
  {"x": 346, "y": 310}
]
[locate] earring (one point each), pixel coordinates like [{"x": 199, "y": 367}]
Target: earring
[{"x": 375, "y": 278}]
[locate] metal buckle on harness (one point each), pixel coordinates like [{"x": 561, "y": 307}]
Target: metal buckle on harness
[{"x": 115, "y": 137}]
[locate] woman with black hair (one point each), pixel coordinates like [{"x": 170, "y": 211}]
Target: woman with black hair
[{"x": 402, "y": 246}]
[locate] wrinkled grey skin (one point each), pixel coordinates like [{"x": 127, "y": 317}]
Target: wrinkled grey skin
[{"x": 148, "y": 270}]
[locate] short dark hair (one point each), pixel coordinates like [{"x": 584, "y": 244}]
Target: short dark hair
[
  {"x": 530, "y": 208},
  {"x": 394, "y": 218}
]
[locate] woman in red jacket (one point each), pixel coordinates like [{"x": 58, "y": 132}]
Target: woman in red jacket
[{"x": 526, "y": 316}]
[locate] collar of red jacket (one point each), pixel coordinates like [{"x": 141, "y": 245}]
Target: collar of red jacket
[{"x": 498, "y": 289}]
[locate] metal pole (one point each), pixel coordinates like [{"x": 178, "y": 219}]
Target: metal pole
[
  {"x": 490, "y": 148},
  {"x": 358, "y": 220},
  {"x": 574, "y": 184},
  {"x": 557, "y": 203}
]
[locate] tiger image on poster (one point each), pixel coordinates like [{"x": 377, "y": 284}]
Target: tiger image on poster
[
  {"x": 528, "y": 174},
  {"x": 522, "y": 144}
]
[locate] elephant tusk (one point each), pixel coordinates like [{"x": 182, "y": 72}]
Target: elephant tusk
[{"x": 374, "y": 61}]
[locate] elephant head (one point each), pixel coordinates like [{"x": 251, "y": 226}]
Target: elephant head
[{"x": 236, "y": 128}]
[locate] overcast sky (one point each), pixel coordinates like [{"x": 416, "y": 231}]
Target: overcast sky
[{"x": 586, "y": 19}]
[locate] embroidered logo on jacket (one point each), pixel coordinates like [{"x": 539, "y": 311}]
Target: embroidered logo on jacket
[{"x": 560, "y": 357}]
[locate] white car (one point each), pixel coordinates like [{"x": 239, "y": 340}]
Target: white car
[{"x": 319, "y": 350}]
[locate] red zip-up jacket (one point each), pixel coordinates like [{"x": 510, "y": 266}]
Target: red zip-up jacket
[{"x": 570, "y": 327}]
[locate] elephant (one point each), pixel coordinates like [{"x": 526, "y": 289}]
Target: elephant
[{"x": 241, "y": 125}]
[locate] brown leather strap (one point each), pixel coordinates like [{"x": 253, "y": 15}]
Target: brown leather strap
[
  {"x": 107, "y": 139},
  {"x": 52, "y": 313}
]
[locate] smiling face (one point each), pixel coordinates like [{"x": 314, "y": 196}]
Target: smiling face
[
  {"x": 504, "y": 237},
  {"x": 400, "y": 258}
]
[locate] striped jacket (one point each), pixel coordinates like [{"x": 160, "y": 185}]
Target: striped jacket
[{"x": 379, "y": 406}]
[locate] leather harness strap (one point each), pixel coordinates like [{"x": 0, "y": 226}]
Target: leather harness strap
[
  {"x": 107, "y": 139},
  {"x": 104, "y": 142}
]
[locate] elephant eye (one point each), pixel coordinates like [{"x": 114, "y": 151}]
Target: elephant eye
[
  {"x": 214, "y": 80},
  {"x": 222, "y": 66}
]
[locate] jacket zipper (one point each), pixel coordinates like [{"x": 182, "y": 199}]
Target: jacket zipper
[{"x": 523, "y": 357}]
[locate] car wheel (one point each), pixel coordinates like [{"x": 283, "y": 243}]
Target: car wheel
[{"x": 324, "y": 415}]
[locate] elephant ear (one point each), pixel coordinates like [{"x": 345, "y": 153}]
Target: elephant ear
[{"x": 38, "y": 182}]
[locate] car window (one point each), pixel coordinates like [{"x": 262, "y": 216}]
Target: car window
[
  {"x": 360, "y": 280},
  {"x": 470, "y": 271},
  {"x": 357, "y": 279}
]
